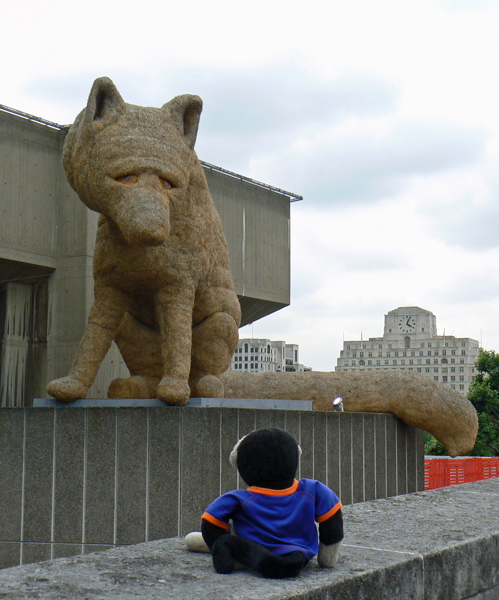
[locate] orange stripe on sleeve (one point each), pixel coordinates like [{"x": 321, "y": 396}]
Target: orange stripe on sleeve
[
  {"x": 330, "y": 513},
  {"x": 207, "y": 517}
]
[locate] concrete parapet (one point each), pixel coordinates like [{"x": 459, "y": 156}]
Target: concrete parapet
[
  {"x": 438, "y": 545},
  {"x": 76, "y": 480}
]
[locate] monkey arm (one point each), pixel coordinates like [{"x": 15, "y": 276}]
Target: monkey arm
[{"x": 330, "y": 536}]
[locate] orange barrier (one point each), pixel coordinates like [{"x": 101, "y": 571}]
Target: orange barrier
[{"x": 440, "y": 472}]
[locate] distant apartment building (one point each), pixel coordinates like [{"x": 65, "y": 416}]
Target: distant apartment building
[
  {"x": 410, "y": 343},
  {"x": 262, "y": 355}
]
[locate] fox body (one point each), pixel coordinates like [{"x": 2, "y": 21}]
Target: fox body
[{"x": 163, "y": 288}]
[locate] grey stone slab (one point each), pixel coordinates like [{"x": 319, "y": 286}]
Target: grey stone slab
[
  {"x": 307, "y": 444},
  {"x": 38, "y": 474},
  {"x": 164, "y": 477},
  {"x": 247, "y": 422},
  {"x": 402, "y": 466},
  {"x": 200, "y": 467},
  {"x": 346, "y": 443},
  {"x": 420, "y": 459},
  {"x": 441, "y": 569},
  {"x": 69, "y": 468},
  {"x": 333, "y": 451},
  {"x": 263, "y": 419},
  {"x": 320, "y": 446},
  {"x": 91, "y": 548},
  {"x": 370, "y": 465},
  {"x": 11, "y": 473},
  {"x": 278, "y": 418},
  {"x": 391, "y": 456},
  {"x": 433, "y": 545},
  {"x": 293, "y": 421},
  {"x": 490, "y": 594},
  {"x": 97, "y": 403},
  {"x": 62, "y": 550},
  {"x": 411, "y": 454},
  {"x": 164, "y": 569},
  {"x": 257, "y": 403},
  {"x": 34, "y": 553},
  {"x": 131, "y": 475},
  {"x": 10, "y": 554},
  {"x": 100, "y": 475},
  {"x": 381, "y": 456},
  {"x": 229, "y": 438},
  {"x": 358, "y": 459}
]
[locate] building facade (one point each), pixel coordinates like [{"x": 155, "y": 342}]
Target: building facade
[
  {"x": 263, "y": 355},
  {"x": 410, "y": 343}
]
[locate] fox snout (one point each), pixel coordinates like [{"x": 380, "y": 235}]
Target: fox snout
[{"x": 142, "y": 218}]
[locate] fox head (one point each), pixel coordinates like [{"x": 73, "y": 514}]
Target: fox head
[{"x": 129, "y": 162}]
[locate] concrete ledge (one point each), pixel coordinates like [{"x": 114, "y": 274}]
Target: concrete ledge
[{"x": 438, "y": 545}]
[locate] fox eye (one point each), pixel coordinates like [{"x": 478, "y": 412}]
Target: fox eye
[
  {"x": 166, "y": 184},
  {"x": 129, "y": 179}
]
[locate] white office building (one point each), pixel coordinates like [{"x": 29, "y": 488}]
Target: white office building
[
  {"x": 410, "y": 342},
  {"x": 262, "y": 355}
]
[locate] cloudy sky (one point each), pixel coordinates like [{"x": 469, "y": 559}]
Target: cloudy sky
[{"x": 382, "y": 115}]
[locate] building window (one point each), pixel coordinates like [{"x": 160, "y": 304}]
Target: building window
[
  {"x": 435, "y": 361},
  {"x": 407, "y": 341},
  {"x": 418, "y": 369},
  {"x": 435, "y": 377},
  {"x": 444, "y": 378}
]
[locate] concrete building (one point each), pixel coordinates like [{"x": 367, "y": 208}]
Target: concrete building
[
  {"x": 46, "y": 245},
  {"x": 263, "y": 355},
  {"x": 410, "y": 342}
]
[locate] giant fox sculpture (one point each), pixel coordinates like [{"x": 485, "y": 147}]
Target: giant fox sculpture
[{"x": 163, "y": 289}]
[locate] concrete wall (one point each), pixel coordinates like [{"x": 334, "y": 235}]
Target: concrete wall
[
  {"x": 76, "y": 480},
  {"x": 438, "y": 545},
  {"x": 47, "y": 235}
]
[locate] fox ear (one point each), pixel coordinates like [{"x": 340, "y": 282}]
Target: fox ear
[
  {"x": 105, "y": 103},
  {"x": 186, "y": 110}
]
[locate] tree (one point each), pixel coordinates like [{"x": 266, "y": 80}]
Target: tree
[{"x": 483, "y": 393}]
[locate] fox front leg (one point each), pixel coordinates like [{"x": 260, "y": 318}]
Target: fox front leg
[
  {"x": 174, "y": 307},
  {"x": 105, "y": 316}
]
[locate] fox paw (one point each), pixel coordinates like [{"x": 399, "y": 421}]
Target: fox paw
[
  {"x": 207, "y": 386},
  {"x": 67, "y": 389},
  {"x": 174, "y": 391}
]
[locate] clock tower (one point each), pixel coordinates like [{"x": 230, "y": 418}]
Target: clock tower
[{"x": 410, "y": 320}]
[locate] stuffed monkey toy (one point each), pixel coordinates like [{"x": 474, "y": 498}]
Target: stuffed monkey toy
[{"x": 273, "y": 521}]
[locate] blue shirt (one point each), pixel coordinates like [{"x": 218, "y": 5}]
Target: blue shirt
[{"x": 281, "y": 520}]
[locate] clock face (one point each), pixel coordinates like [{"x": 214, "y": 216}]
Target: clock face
[{"x": 407, "y": 324}]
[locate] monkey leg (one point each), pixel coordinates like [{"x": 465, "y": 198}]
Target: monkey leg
[
  {"x": 228, "y": 548},
  {"x": 214, "y": 341}
]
